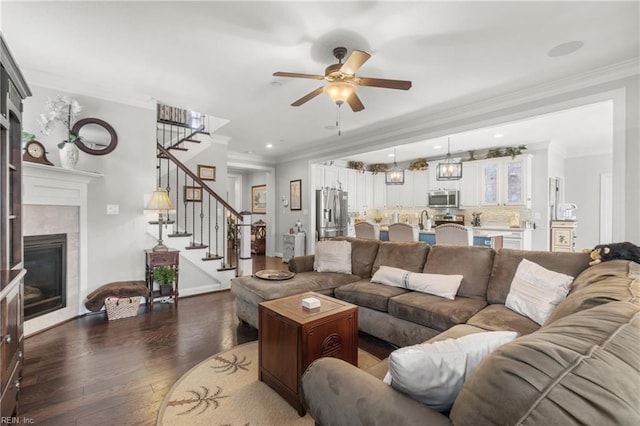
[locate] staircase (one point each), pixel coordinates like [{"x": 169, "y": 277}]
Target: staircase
[{"x": 210, "y": 234}]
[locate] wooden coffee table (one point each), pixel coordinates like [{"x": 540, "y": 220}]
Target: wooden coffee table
[{"x": 291, "y": 337}]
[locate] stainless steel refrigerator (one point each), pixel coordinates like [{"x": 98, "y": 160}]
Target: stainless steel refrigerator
[{"x": 331, "y": 212}]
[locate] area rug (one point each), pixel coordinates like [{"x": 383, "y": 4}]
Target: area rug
[{"x": 224, "y": 390}]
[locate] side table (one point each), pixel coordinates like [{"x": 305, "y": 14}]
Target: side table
[
  {"x": 154, "y": 259},
  {"x": 291, "y": 337}
]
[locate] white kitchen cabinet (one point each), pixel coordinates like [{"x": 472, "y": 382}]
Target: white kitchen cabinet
[
  {"x": 420, "y": 188},
  {"x": 470, "y": 185},
  {"x": 364, "y": 190},
  {"x": 506, "y": 181},
  {"x": 379, "y": 191},
  {"x": 331, "y": 176},
  {"x": 293, "y": 245}
]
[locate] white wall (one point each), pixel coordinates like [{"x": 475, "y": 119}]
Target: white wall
[
  {"x": 116, "y": 244},
  {"x": 285, "y": 217},
  {"x": 582, "y": 187}
]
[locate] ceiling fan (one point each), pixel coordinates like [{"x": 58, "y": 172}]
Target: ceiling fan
[{"x": 343, "y": 81}]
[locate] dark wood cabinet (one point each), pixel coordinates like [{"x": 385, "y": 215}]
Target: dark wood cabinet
[
  {"x": 13, "y": 90},
  {"x": 291, "y": 337},
  {"x": 156, "y": 259}
]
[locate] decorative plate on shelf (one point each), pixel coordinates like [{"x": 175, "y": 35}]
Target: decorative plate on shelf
[{"x": 274, "y": 274}]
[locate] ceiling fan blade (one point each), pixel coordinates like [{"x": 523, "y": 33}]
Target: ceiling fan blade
[
  {"x": 298, "y": 75},
  {"x": 355, "y": 103},
  {"x": 354, "y": 62},
  {"x": 308, "y": 97},
  {"x": 381, "y": 82}
]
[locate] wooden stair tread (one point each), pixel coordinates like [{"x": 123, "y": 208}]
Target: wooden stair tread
[
  {"x": 196, "y": 247},
  {"x": 179, "y": 234},
  {"x": 212, "y": 258},
  {"x": 164, "y": 222},
  {"x": 227, "y": 268},
  {"x": 178, "y": 148}
]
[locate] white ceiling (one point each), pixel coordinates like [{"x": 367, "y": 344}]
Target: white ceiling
[{"x": 218, "y": 58}]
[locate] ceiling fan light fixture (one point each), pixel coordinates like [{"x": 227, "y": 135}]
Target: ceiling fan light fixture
[
  {"x": 339, "y": 91},
  {"x": 449, "y": 169}
]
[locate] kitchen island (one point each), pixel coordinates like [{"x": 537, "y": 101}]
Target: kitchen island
[{"x": 481, "y": 237}]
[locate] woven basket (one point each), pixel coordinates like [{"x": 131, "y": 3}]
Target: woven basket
[{"x": 122, "y": 307}]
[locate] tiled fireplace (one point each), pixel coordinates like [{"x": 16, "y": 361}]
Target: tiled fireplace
[{"x": 55, "y": 209}]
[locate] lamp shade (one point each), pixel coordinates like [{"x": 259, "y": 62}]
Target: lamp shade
[
  {"x": 159, "y": 201},
  {"x": 339, "y": 91}
]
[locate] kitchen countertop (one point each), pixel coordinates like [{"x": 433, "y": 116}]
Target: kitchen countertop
[
  {"x": 476, "y": 229},
  {"x": 478, "y": 232}
]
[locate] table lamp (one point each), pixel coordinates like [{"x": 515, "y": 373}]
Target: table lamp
[{"x": 160, "y": 201}]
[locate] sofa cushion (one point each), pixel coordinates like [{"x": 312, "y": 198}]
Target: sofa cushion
[
  {"x": 255, "y": 291},
  {"x": 617, "y": 280},
  {"x": 536, "y": 291},
  {"x": 437, "y": 284},
  {"x": 506, "y": 262},
  {"x": 581, "y": 369},
  {"x": 473, "y": 263},
  {"x": 332, "y": 256},
  {"x": 363, "y": 254},
  {"x": 499, "y": 317},
  {"x": 434, "y": 372},
  {"x": 404, "y": 255},
  {"x": 370, "y": 295},
  {"x": 433, "y": 311}
]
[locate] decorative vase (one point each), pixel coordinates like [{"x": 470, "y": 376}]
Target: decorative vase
[{"x": 69, "y": 154}]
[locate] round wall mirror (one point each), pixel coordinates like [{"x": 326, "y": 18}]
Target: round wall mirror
[{"x": 95, "y": 136}]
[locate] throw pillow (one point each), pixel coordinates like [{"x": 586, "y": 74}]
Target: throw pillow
[
  {"x": 332, "y": 256},
  {"x": 437, "y": 284},
  {"x": 433, "y": 373},
  {"x": 536, "y": 291}
]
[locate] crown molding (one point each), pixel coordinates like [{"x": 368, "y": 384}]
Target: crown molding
[{"x": 459, "y": 115}]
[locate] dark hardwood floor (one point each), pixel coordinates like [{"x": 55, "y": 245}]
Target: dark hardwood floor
[{"x": 90, "y": 371}]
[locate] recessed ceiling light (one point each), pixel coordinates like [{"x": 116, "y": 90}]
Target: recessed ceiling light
[
  {"x": 498, "y": 135},
  {"x": 269, "y": 145},
  {"x": 437, "y": 146},
  {"x": 565, "y": 48},
  {"x": 391, "y": 155}
]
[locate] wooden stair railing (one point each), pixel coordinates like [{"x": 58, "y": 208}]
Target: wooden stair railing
[{"x": 195, "y": 221}]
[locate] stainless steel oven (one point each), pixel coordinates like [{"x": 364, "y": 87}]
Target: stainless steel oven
[{"x": 444, "y": 198}]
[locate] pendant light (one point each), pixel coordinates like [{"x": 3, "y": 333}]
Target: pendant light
[
  {"x": 449, "y": 169},
  {"x": 395, "y": 176}
]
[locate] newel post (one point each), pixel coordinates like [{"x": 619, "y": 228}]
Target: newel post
[{"x": 245, "y": 262}]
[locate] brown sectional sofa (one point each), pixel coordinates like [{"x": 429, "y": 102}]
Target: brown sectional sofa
[
  {"x": 581, "y": 366},
  {"x": 403, "y": 317}
]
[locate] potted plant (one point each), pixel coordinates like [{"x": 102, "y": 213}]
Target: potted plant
[
  {"x": 62, "y": 110},
  {"x": 164, "y": 275}
]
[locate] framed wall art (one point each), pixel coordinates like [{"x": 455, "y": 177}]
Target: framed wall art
[
  {"x": 295, "y": 194},
  {"x": 193, "y": 194},
  {"x": 259, "y": 199},
  {"x": 206, "y": 172}
]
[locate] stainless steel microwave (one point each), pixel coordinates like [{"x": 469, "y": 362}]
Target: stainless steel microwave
[{"x": 444, "y": 198}]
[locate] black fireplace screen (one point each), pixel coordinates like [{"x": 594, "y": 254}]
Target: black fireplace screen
[{"x": 45, "y": 259}]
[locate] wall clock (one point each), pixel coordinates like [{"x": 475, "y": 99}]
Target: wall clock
[{"x": 34, "y": 152}]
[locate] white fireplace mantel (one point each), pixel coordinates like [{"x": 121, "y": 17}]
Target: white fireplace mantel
[{"x": 55, "y": 186}]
